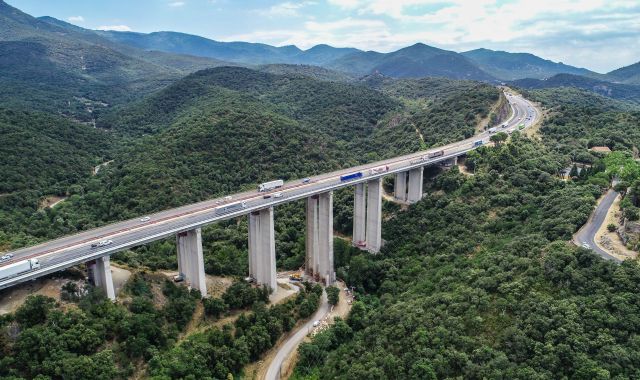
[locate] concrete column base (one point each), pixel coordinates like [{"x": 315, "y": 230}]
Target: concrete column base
[
  {"x": 374, "y": 215},
  {"x": 415, "y": 184},
  {"x": 325, "y": 238},
  {"x": 400, "y": 187},
  {"x": 359, "y": 215},
  {"x": 262, "y": 247},
  {"x": 191, "y": 260},
  {"x": 102, "y": 276},
  {"x": 312, "y": 248}
]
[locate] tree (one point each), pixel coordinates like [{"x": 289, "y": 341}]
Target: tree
[
  {"x": 499, "y": 138},
  {"x": 611, "y": 227},
  {"x": 214, "y": 307},
  {"x": 34, "y": 311},
  {"x": 333, "y": 295}
]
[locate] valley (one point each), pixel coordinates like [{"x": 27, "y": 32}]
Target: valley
[{"x": 433, "y": 195}]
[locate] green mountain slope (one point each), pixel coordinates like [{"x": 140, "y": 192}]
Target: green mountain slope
[
  {"x": 628, "y": 74},
  {"x": 617, "y": 91},
  {"x": 512, "y": 66},
  {"x": 73, "y": 71}
]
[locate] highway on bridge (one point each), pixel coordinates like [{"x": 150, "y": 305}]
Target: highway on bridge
[{"x": 74, "y": 249}]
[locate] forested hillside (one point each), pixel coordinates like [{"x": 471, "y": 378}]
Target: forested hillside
[
  {"x": 62, "y": 69},
  {"x": 220, "y": 130},
  {"x": 477, "y": 281}
]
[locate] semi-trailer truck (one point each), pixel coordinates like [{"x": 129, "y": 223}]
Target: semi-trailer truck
[
  {"x": 19, "y": 267},
  {"x": 231, "y": 208},
  {"x": 435, "y": 154},
  {"x": 270, "y": 185},
  {"x": 380, "y": 169},
  {"x": 348, "y": 177}
]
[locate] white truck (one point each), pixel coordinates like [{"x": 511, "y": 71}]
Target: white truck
[
  {"x": 19, "y": 267},
  {"x": 493, "y": 130},
  {"x": 270, "y": 185}
]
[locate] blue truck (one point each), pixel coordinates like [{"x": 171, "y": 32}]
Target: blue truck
[
  {"x": 477, "y": 143},
  {"x": 349, "y": 177}
]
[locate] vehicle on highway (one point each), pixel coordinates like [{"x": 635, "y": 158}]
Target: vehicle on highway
[
  {"x": 270, "y": 185},
  {"x": 493, "y": 130},
  {"x": 478, "y": 143},
  {"x": 306, "y": 180},
  {"x": 316, "y": 323},
  {"x": 101, "y": 243},
  {"x": 231, "y": 208},
  {"x": 266, "y": 196},
  {"x": 348, "y": 177},
  {"x": 6, "y": 257},
  {"x": 435, "y": 154},
  {"x": 379, "y": 169},
  {"x": 586, "y": 246},
  {"x": 145, "y": 219},
  {"x": 178, "y": 278},
  {"x": 18, "y": 268},
  {"x": 277, "y": 195}
]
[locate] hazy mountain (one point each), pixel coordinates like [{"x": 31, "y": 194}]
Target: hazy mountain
[
  {"x": 612, "y": 90},
  {"x": 512, "y": 66},
  {"x": 628, "y": 74}
]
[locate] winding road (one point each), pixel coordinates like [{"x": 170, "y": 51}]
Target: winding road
[
  {"x": 587, "y": 234},
  {"x": 273, "y": 373}
]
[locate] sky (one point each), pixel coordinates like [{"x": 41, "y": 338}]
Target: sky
[{"x": 600, "y": 35}]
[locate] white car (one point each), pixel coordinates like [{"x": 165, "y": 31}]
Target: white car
[
  {"x": 586, "y": 246},
  {"x": 316, "y": 323},
  {"x": 277, "y": 195},
  {"x": 145, "y": 219}
]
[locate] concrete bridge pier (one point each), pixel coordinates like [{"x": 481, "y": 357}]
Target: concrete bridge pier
[
  {"x": 415, "y": 184},
  {"x": 191, "y": 260},
  {"x": 325, "y": 238},
  {"x": 311, "y": 243},
  {"x": 359, "y": 215},
  {"x": 374, "y": 215},
  {"x": 100, "y": 273},
  {"x": 262, "y": 248},
  {"x": 400, "y": 187},
  {"x": 319, "y": 239}
]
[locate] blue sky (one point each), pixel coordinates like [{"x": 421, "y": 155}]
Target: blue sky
[{"x": 597, "y": 34}]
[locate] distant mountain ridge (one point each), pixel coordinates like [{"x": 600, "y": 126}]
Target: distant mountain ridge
[
  {"x": 418, "y": 60},
  {"x": 512, "y": 66},
  {"x": 618, "y": 91},
  {"x": 628, "y": 74}
]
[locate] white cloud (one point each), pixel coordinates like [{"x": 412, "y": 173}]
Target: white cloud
[
  {"x": 75, "y": 19},
  {"x": 117, "y": 28},
  {"x": 286, "y": 9},
  {"x": 177, "y": 4},
  {"x": 345, "y": 4}
]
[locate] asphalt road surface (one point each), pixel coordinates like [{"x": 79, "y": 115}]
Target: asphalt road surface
[
  {"x": 273, "y": 373},
  {"x": 587, "y": 234},
  {"x": 74, "y": 249}
]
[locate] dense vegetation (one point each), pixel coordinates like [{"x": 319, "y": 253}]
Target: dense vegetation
[
  {"x": 479, "y": 282},
  {"x": 94, "y": 338}
]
